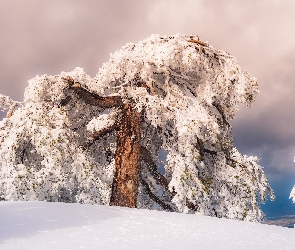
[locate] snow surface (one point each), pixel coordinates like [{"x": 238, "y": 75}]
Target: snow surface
[{"x": 48, "y": 225}]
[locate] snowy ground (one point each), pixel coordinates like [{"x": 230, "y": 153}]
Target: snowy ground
[{"x": 42, "y": 225}]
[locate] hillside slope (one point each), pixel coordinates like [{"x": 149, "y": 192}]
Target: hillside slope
[{"x": 44, "y": 225}]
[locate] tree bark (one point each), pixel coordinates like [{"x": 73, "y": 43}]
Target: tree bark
[
  {"x": 127, "y": 159},
  {"x": 129, "y": 152}
]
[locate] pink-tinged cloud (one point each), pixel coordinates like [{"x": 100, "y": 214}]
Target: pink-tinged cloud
[{"x": 47, "y": 37}]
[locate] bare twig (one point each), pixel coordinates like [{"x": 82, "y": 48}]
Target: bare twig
[{"x": 198, "y": 42}]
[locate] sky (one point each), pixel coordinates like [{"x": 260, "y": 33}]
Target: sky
[
  {"x": 48, "y": 37},
  {"x": 52, "y": 225}
]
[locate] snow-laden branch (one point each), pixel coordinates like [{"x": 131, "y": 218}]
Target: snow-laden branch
[
  {"x": 7, "y": 104},
  {"x": 92, "y": 98},
  {"x": 154, "y": 197},
  {"x": 147, "y": 158}
]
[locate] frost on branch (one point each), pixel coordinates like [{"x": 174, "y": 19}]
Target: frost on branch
[
  {"x": 7, "y": 104},
  {"x": 175, "y": 94},
  {"x": 292, "y": 194}
]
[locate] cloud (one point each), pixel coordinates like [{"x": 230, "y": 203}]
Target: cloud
[
  {"x": 54, "y": 36},
  {"x": 39, "y": 37}
]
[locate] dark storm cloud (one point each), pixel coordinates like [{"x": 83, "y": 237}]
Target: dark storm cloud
[
  {"x": 268, "y": 128},
  {"x": 39, "y": 37}
]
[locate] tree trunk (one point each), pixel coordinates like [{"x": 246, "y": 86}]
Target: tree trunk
[{"x": 127, "y": 159}]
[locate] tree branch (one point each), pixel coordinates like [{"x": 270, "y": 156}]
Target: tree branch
[
  {"x": 154, "y": 197},
  {"x": 11, "y": 110},
  {"x": 147, "y": 158},
  {"x": 65, "y": 101},
  {"x": 92, "y": 98},
  {"x": 143, "y": 85},
  {"x": 220, "y": 110},
  {"x": 203, "y": 150},
  {"x": 198, "y": 42},
  {"x": 243, "y": 167},
  {"x": 95, "y": 136},
  {"x": 24, "y": 151}
]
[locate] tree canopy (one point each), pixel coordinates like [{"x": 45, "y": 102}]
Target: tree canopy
[{"x": 75, "y": 138}]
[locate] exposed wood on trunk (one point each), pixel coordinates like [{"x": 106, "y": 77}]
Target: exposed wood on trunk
[{"x": 127, "y": 159}]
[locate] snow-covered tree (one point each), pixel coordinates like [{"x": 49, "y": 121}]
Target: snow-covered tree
[{"x": 97, "y": 140}]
